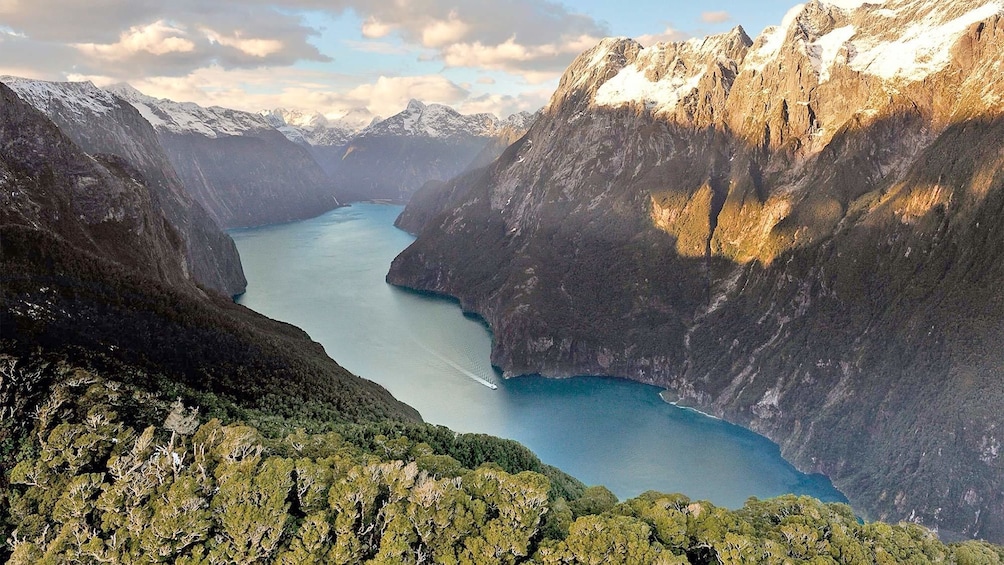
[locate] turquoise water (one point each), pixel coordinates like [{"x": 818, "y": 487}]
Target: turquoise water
[{"x": 326, "y": 275}]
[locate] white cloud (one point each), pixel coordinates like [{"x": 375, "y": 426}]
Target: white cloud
[
  {"x": 389, "y": 95},
  {"x": 535, "y": 63},
  {"x": 533, "y": 39},
  {"x": 715, "y": 17},
  {"x": 255, "y": 47},
  {"x": 375, "y": 29},
  {"x": 444, "y": 32},
  {"x": 505, "y": 105},
  {"x": 158, "y": 38}
]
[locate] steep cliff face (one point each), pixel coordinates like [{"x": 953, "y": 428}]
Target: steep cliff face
[
  {"x": 393, "y": 158},
  {"x": 797, "y": 233},
  {"x": 101, "y": 123},
  {"x": 92, "y": 273},
  {"x": 100, "y": 202},
  {"x": 242, "y": 170}
]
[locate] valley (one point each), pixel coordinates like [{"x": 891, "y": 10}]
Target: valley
[{"x": 734, "y": 266}]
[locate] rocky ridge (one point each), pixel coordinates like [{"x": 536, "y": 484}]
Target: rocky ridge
[
  {"x": 795, "y": 232},
  {"x": 236, "y": 164},
  {"x": 101, "y": 123},
  {"x": 325, "y": 138},
  {"x": 391, "y": 159}
]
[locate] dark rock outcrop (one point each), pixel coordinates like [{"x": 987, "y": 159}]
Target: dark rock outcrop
[{"x": 103, "y": 124}]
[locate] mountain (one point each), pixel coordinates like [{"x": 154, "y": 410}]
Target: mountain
[
  {"x": 798, "y": 233},
  {"x": 103, "y": 124},
  {"x": 325, "y": 138},
  {"x": 236, "y": 164},
  {"x": 391, "y": 159},
  {"x": 95, "y": 276}
]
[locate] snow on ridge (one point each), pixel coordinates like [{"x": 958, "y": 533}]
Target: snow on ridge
[
  {"x": 853, "y": 4},
  {"x": 922, "y": 49},
  {"x": 823, "y": 52},
  {"x": 78, "y": 97},
  {"x": 770, "y": 42},
  {"x": 631, "y": 85},
  {"x": 662, "y": 75},
  {"x": 433, "y": 120},
  {"x": 191, "y": 118}
]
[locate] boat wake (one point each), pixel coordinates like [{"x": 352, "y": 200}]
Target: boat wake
[{"x": 485, "y": 381}]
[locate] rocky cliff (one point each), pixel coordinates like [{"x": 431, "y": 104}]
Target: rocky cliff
[
  {"x": 799, "y": 233},
  {"x": 100, "y": 123},
  {"x": 92, "y": 273},
  {"x": 393, "y": 158},
  {"x": 239, "y": 167}
]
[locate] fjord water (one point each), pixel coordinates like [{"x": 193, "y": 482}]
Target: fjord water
[{"x": 326, "y": 275}]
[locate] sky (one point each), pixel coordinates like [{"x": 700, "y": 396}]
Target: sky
[{"x": 333, "y": 56}]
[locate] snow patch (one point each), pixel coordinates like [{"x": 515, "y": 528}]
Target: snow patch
[
  {"x": 631, "y": 85},
  {"x": 823, "y": 52},
  {"x": 923, "y": 49},
  {"x": 77, "y": 97},
  {"x": 434, "y": 120},
  {"x": 772, "y": 40},
  {"x": 852, "y": 4},
  {"x": 190, "y": 118}
]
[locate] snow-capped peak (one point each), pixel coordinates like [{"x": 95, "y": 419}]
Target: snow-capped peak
[
  {"x": 895, "y": 40},
  {"x": 79, "y": 97},
  {"x": 434, "y": 120},
  {"x": 662, "y": 75},
  {"x": 315, "y": 128},
  {"x": 190, "y": 118}
]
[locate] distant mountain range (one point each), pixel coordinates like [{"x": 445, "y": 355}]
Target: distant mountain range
[
  {"x": 393, "y": 158},
  {"x": 279, "y": 165},
  {"x": 800, "y": 233}
]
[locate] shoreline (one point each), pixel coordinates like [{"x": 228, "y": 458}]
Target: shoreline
[{"x": 666, "y": 399}]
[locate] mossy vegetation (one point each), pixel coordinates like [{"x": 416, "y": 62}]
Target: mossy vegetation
[{"x": 108, "y": 472}]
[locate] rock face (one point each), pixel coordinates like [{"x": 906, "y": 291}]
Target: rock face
[
  {"x": 101, "y": 202},
  {"x": 100, "y": 123},
  {"x": 93, "y": 272},
  {"x": 239, "y": 167},
  {"x": 391, "y": 159},
  {"x": 799, "y": 233}
]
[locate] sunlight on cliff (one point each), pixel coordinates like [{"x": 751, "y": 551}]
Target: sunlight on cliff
[
  {"x": 685, "y": 218},
  {"x": 745, "y": 232},
  {"x": 915, "y": 202}
]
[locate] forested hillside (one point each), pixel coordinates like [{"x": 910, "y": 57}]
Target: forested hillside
[{"x": 113, "y": 474}]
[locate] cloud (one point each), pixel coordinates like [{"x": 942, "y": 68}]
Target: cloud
[
  {"x": 374, "y": 29},
  {"x": 534, "y": 39},
  {"x": 715, "y": 17},
  {"x": 127, "y": 38},
  {"x": 486, "y": 80},
  {"x": 254, "y": 89},
  {"x": 668, "y": 35},
  {"x": 389, "y": 95},
  {"x": 503, "y": 105},
  {"x": 249, "y": 52},
  {"x": 157, "y": 38},
  {"x": 535, "y": 63},
  {"x": 444, "y": 32},
  {"x": 379, "y": 47},
  {"x": 255, "y": 47}
]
